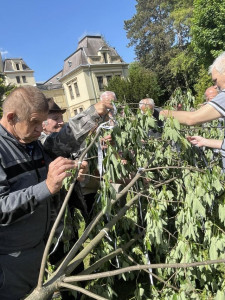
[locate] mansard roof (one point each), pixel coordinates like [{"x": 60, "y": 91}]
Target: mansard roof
[
  {"x": 9, "y": 65},
  {"x": 76, "y": 59},
  {"x": 92, "y": 44},
  {"x": 52, "y": 83},
  {"x": 88, "y": 47},
  {"x": 54, "y": 79}
]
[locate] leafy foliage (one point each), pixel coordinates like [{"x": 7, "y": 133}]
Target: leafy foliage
[
  {"x": 160, "y": 32},
  {"x": 202, "y": 83},
  {"x": 4, "y": 89},
  {"x": 177, "y": 40},
  {"x": 180, "y": 208},
  {"x": 141, "y": 83},
  {"x": 208, "y": 29}
]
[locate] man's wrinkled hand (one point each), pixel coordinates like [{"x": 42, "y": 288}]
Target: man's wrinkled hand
[
  {"x": 103, "y": 107},
  {"x": 58, "y": 170}
]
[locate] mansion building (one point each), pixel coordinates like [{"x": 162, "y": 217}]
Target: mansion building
[
  {"x": 84, "y": 75},
  {"x": 16, "y": 72}
]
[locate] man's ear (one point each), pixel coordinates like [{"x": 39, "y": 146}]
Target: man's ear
[{"x": 12, "y": 118}]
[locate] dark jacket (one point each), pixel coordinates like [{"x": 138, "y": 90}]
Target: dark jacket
[{"x": 24, "y": 196}]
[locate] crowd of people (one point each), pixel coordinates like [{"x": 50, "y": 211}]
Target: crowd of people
[{"x": 37, "y": 152}]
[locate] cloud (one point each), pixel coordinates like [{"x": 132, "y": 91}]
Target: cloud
[{"x": 3, "y": 52}]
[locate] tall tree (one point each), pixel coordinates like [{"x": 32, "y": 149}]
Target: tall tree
[
  {"x": 208, "y": 30},
  {"x": 4, "y": 90},
  {"x": 160, "y": 32},
  {"x": 150, "y": 31},
  {"x": 140, "y": 83}
]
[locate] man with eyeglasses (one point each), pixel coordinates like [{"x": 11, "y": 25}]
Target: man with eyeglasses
[{"x": 212, "y": 110}]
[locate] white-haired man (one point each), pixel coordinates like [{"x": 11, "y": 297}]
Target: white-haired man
[
  {"x": 212, "y": 110},
  {"x": 149, "y": 104},
  {"x": 145, "y": 104},
  {"x": 215, "y": 108},
  {"x": 108, "y": 97}
]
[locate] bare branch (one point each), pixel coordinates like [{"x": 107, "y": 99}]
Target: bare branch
[
  {"x": 60, "y": 214},
  {"x": 175, "y": 167},
  {"x": 96, "y": 240},
  {"x": 111, "y": 255},
  {"x": 81, "y": 290},
  {"x": 154, "y": 275},
  {"x": 142, "y": 267},
  {"x": 89, "y": 228},
  {"x": 52, "y": 233}
]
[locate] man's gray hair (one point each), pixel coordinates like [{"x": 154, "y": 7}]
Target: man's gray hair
[
  {"x": 107, "y": 95},
  {"x": 25, "y": 100},
  {"x": 148, "y": 101},
  {"x": 218, "y": 64}
]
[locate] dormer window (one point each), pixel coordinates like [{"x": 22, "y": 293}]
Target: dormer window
[
  {"x": 17, "y": 66},
  {"x": 104, "y": 52},
  {"x": 105, "y": 57},
  {"x": 69, "y": 63}
]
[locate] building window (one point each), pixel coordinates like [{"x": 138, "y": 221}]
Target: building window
[
  {"x": 76, "y": 89},
  {"x": 100, "y": 83},
  {"x": 17, "y": 66},
  {"x": 105, "y": 57},
  {"x": 24, "y": 79},
  {"x": 18, "y": 79},
  {"x": 71, "y": 92},
  {"x": 75, "y": 112},
  {"x": 81, "y": 109},
  {"x": 109, "y": 77}
]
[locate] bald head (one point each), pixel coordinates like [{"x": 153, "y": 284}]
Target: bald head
[
  {"x": 211, "y": 93},
  {"x": 25, "y": 100},
  {"x": 147, "y": 103}
]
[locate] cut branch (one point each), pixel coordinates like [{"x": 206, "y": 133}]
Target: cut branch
[
  {"x": 96, "y": 240},
  {"x": 142, "y": 267},
  {"x": 111, "y": 255},
  {"x": 81, "y": 290},
  {"x": 88, "y": 230}
]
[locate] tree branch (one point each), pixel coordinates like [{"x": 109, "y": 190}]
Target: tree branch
[
  {"x": 60, "y": 214},
  {"x": 88, "y": 230},
  {"x": 111, "y": 255},
  {"x": 154, "y": 275},
  {"x": 81, "y": 290},
  {"x": 142, "y": 267},
  {"x": 96, "y": 240}
]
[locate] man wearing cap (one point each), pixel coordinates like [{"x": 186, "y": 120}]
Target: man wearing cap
[
  {"x": 52, "y": 125},
  {"x": 54, "y": 121}
]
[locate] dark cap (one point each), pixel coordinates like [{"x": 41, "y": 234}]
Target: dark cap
[{"x": 53, "y": 107}]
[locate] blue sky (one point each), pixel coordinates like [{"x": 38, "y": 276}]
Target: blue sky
[{"x": 45, "y": 32}]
